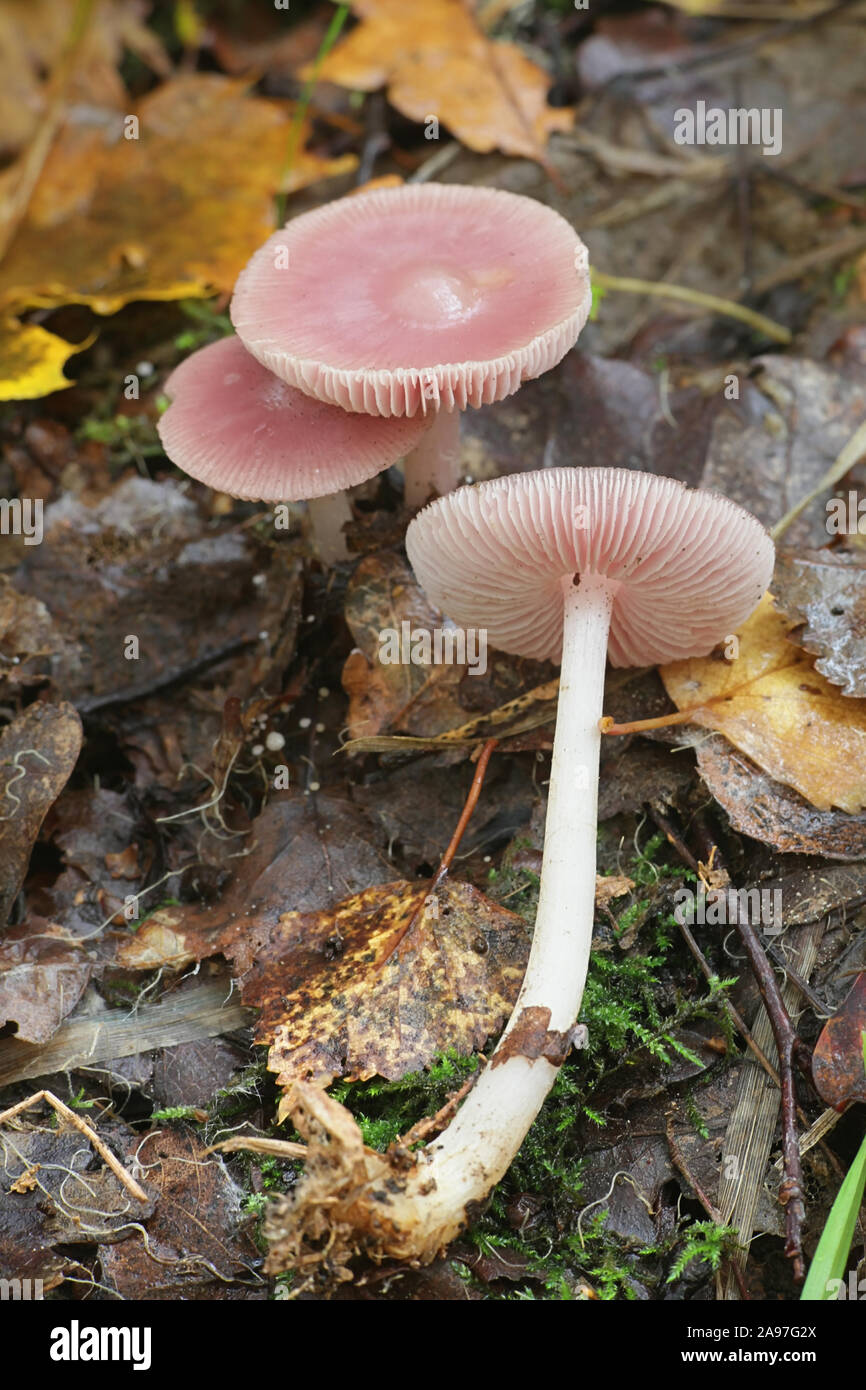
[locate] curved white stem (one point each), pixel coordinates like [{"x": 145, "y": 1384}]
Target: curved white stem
[
  {"x": 476, "y": 1149},
  {"x": 433, "y": 466},
  {"x": 328, "y": 516}
]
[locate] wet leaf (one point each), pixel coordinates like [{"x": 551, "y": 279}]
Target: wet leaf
[
  {"x": 173, "y": 212},
  {"x": 38, "y": 751},
  {"x": 196, "y": 1242},
  {"x": 773, "y": 813},
  {"x": 394, "y": 976},
  {"x": 437, "y": 63},
  {"x": 772, "y": 705},
  {"x": 826, "y": 590},
  {"x": 838, "y": 1066}
]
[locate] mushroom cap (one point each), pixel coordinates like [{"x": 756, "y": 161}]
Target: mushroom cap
[
  {"x": 235, "y": 426},
  {"x": 426, "y": 296},
  {"x": 688, "y": 565}
]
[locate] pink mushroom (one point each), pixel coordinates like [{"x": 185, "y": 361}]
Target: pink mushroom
[
  {"x": 573, "y": 565},
  {"x": 431, "y": 297},
  {"x": 235, "y": 426}
]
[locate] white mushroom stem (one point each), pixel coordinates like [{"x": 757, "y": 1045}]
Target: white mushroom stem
[
  {"x": 478, "y": 1146},
  {"x": 328, "y": 516},
  {"x": 433, "y": 466}
]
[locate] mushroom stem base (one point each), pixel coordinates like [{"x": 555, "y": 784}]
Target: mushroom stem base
[{"x": 411, "y": 1207}]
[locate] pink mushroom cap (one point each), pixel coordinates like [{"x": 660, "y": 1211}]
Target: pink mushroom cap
[
  {"x": 432, "y": 295},
  {"x": 688, "y": 565},
  {"x": 235, "y": 426}
]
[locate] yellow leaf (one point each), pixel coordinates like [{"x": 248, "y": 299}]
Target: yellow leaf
[
  {"x": 31, "y": 361},
  {"x": 772, "y": 704},
  {"x": 437, "y": 63},
  {"x": 169, "y": 208}
]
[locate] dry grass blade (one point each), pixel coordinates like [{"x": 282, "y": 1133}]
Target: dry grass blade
[{"x": 749, "y": 1135}]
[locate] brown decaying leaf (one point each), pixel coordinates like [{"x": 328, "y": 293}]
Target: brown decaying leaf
[
  {"x": 826, "y": 590},
  {"x": 196, "y": 1242},
  {"x": 437, "y": 63},
  {"x": 394, "y": 976},
  {"x": 838, "y": 1066},
  {"x": 38, "y": 751},
  {"x": 27, "y": 633},
  {"x": 382, "y": 595},
  {"x": 772, "y": 705},
  {"x": 175, "y": 212},
  {"x": 773, "y": 813}
]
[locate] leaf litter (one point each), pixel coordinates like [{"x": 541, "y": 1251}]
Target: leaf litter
[{"x": 197, "y": 809}]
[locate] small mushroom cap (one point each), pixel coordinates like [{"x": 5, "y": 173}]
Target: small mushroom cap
[
  {"x": 235, "y": 426},
  {"x": 689, "y": 566},
  {"x": 406, "y": 299}
]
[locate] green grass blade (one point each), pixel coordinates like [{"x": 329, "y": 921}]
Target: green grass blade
[{"x": 831, "y": 1257}]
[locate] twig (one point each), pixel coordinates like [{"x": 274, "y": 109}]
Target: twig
[
  {"x": 75, "y": 1120},
  {"x": 276, "y": 1148},
  {"x": 448, "y": 857},
  {"x": 431, "y": 1124},
  {"x": 679, "y": 1162},
  {"x": 468, "y": 808}
]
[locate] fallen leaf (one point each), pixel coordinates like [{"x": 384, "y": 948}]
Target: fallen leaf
[
  {"x": 826, "y": 590},
  {"x": 35, "y": 1218},
  {"x": 774, "y": 444},
  {"x": 394, "y": 976},
  {"x": 173, "y": 212},
  {"x": 32, "y": 361},
  {"x": 33, "y": 35},
  {"x": 38, "y": 994},
  {"x": 838, "y": 1065},
  {"x": 383, "y": 597},
  {"x": 27, "y": 633},
  {"x": 756, "y": 805},
  {"x": 302, "y": 855},
  {"x": 142, "y": 563},
  {"x": 611, "y": 887},
  {"x": 196, "y": 1243},
  {"x": 38, "y": 751},
  {"x": 772, "y": 705},
  {"x": 589, "y": 408},
  {"x": 437, "y": 63}
]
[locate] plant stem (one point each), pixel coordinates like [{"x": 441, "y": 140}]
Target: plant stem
[
  {"x": 476, "y": 1149},
  {"x": 328, "y": 516},
  {"x": 433, "y": 466}
]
